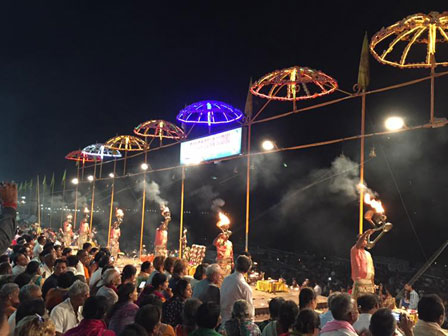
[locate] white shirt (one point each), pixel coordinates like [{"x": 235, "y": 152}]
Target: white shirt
[
  {"x": 80, "y": 269},
  {"x": 38, "y": 248},
  {"x": 45, "y": 271},
  {"x": 17, "y": 269},
  {"x": 96, "y": 276},
  {"x": 362, "y": 323},
  {"x": 12, "y": 323},
  {"x": 64, "y": 316},
  {"x": 234, "y": 287}
]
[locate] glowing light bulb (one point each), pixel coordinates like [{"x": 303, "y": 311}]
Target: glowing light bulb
[
  {"x": 90, "y": 178},
  {"x": 111, "y": 175},
  {"x": 268, "y": 145},
  {"x": 394, "y": 123},
  {"x": 75, "y": 181},
  {"x": 144, "y": 166}
]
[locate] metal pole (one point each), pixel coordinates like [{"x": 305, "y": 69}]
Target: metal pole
[
  {"x": 63, "y": 201},
  {"x": 432, "y": 91},
  {"x": 124, "y": 162},
  {"x": 246, "y": 245},
  {"x": 361, "y": 172},
  {"x": 51, "y": 202},
  {"x": 181, "y": 229},
  {"x": 111, "y": 202},
  {"x": 142, "y": 226},
  {"x": 38, "y": 200},
  {"x": 76, "y": 198},
  {"x": 93, "y": 196}
]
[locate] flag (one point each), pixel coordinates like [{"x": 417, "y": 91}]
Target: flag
[
  {"x": 63, "y": 177},
  {"x": 52, "y": 182},
  {"x": 248, "y": 108},
  {"x": 363, "y": 72}
]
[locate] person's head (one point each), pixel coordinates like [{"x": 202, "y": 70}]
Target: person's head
[
  {"x": 60, "y": 266},
  {"x": 35, "y": 325},
  {"x": 343, "y": 308},
  {"x": 78, "y": 293},
  {"x": 41, "y": 240},
  {"x": 72, "y": 261},
  {"x": 431, "y": 309},
  {"x": 111, "y": 277},
  {"x": 240, "y": 310},
  {"x": 30, "y": 307},
  {"x": 208, "y": 315},
  {"x": 9, "y": 294},
  {"x": 159, "y": 281},
  {"x": 66, "y": 252},
  {"x": 307, "y": 298},
  {"x": 383, "y": 323},
  {"x": 127, "y": 292},
  {"x": 22, "y": 279},
  {"x": 408, "y": 287},
  {"x": 58, "y": 251},
  {"x": 145, "y": 267},
  {"x": 368, "y": 303},
  {"x": 104, "y": 261},
  {"x": 30, "y": 292},
  {"x": 33, "y": 267},
  {"x": 83, "y": 257},
  {"x": 87, "y": 247},
  {"x": 307, "y": 322},
  {"x": 149, "y": 317},
  {"x": 151, "y": 299},
  {"x": 65, "y": 280},
  {"x": 199, "y": 273},
  {"x": 287, "y": 315},
  {"x": 180, "y": 267},
  {"x": 128, "y": 274},
  {"x": 5, "y": 268},
  {"x": 95, "y": 308},
  {"x": 243, "y": 264},
  {"x": 183, "y": 289},
  {"x": 4, "y": 258},
  {"x": 20, "y": 259},
  {"x": 168, "y": 264},
  {"x": 274, "y": 307},
  {"x": 158, "y": 263},
  {"x": 189, "y": 312},
  {"x": 48, "y": 257},
  {"x": 94, "y": 251},
  {"x": 214, "y": 274},
  {"x": 133, "y": 329}
]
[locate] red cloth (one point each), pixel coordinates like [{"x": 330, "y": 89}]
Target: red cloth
[
  {"x": 10, "y": 205},
  {"x": 90, "y": 328},
  {"x": 359, "y": 263}
]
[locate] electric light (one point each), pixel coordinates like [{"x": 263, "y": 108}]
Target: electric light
[
  {"x": 267, "y": 145},
  {"x": 394, "y": 123},
  {"x": 90, "y": 178},
  {"x": 160, "y": 129},
  {"x": 111, "y": 175},
  {"x": 75, "y": 181},
  {"x": 144, "y": 166},
  {"x": 127, "y": 143},
  {"x": 209, "y": 112}
]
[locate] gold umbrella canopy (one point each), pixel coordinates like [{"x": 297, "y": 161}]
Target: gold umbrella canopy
[
  {"x": 292, "y": 84},
  {"x": 404, "y": 43},
  {"x": 126, "y": 143},
  {"x": 160, "y": 129}
]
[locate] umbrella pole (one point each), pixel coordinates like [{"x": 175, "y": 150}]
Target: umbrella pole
[
  {"x": 38, "y": 200},
  {"x": 93, "y": 196},
  {"x": 101, "y": 167},
  {"x": 246, "y": 245},
  {"x": 361, "y": 163},
  {"x": 63, "y": 199},
  {"x": 124, "y": 162},
  {"x": 431, "y": 116},
  {"x": 142, "y": 226},
  {"x": 181, "y": 229},
  {"x": 76, "y": 199},
  {"x": 111, "y": 202}
]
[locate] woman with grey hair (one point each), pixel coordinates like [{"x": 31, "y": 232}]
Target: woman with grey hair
[
  {"x": 110, "y": 279},
  {"x": 240, "y": 324},
  {"x": 9, "y": 298}
]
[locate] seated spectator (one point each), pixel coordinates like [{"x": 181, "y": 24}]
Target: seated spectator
[
  {"x": 389, "y": 300},
  {"x": 35, "y": 325},
  {"x": 188, "y": 317},
  {"x": 66, "y": 252},
  {"x": 58, "y": 251},
  {"x": 368, "y": 304},
  {"x": 328, "y": 316},
  {"x": 172, "y": 309},
  {"x": 94, "y": 313},
  {"x": 87, "y": 247},
  {"x": 145, "y": 271},
  {"x": 60, "y": 266},
  {"x": 9, "y": 298},
  {"x": 27, "y": 293},
  {"x": 207, "y": 319},
  {"x": 111, "y": 279},
  {"x": 274, "y": 308},
  {"x": 67, "y": 314},
  {"x": 307, "y": 323},
  {"x": 128, "y": 274},
  {"x": 48, "y": 258},
  {"x": 307, "y": 298},
  {"x": 179, "y": 271},
  {"x": 383, "y": 323},
  {"x": 240, "y": 324},
  {"x": 199, "y": 274},
  {"x": 158, "y": 263},
  {"x": 102, "y": 262},
  {"x": 431, "y": 314},
  {"x": 33, "y": 269},
  {"x": 123, "y": 312},
  {"x": 345, "y": 313},
  {"x": 164, "y": 329},
  {"x": 133, "y": 329},
  {"x": 149, "y": 318},
  {"x": 56, "y": 295},
  {"x": 207, "y": 290},
  {"x": 157, "y": 287},
  {"x": 22, "y": 279},
  {"x": 28, "y": 308},
  {"x": 286, "y": 317},
  {"x": 5, "y": 268},
  {"x": 39, "y": 246},
  {"x": 19, "y": 261},
  {"x": 83, "y": 264},
  {"x": 72, "y": 264},
  {"x": 168, "y": 266}
]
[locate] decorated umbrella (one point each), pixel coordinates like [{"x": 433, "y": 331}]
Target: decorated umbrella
[
  {"x": 412, "y": 43},
  {"x": 156, "y": 129},
  {"x": 126, "y": 143},
  {"x": 209, "y": 112},
  {"x": 79, "y": 157}
]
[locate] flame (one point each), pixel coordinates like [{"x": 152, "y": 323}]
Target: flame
[
  {"x": 223, "y": 220},
  {"x": 375, "y": 204}
]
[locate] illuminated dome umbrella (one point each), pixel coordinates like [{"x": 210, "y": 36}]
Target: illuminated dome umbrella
[
  {"x": 101, "y": 151},
  {"x": 154, "y": 129},
  {"x": 79, "y": 157},
  {"x": 411, "y": 35},
  {"x": 209, "y": 112},
  {"x": 126, "y": 143}
]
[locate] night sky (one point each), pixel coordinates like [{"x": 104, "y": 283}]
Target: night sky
[{"x": 76, "y": 73}]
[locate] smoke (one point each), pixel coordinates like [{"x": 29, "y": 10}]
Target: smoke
[
  {"x": 217, "y": 204},
  {"x": 152, "y": 192}
]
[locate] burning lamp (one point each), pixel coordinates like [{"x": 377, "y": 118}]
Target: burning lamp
[
  {"x": 111, "y": 175},
  {"x": 394, "y": 123},
  {"x": 268, "y": 145},
  {"x": 144, "y": 166},
  {"x": 75, "y": 181},
  {"x": 378, "y": 220},
  {"x": 90, "y": 178}
]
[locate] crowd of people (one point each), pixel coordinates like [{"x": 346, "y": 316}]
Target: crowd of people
[{"x": 49, "y": 289}]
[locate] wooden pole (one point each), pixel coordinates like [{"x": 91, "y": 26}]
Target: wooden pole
[
  {"x": 431, "y": 118},
  {"x": 181, "y": 229},
  {"x": 93, "y": 196},
  {"x": 124, "y": 162},
  {"x": 51, "y": 201},
  {"x": 38, "y": 200},
  {"x": 76, "y": 198},
  {"x": 63, "y": 199},
  {"x": 111, "y": 202},
  {"x": 246, "y": 245},
  {"x": 142, "y": 225},
  {"x": 361, "y": 172}
]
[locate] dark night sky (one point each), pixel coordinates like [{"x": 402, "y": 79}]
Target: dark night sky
[{"x": 74, "y": 73}]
